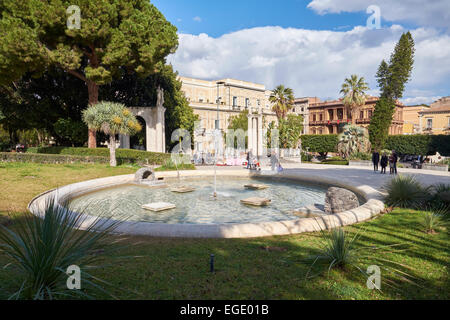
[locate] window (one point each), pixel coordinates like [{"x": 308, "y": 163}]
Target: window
[
  {"x": 234, "y": 101},
  {"x": 361, "y": 114},
  {"x": 429, "y": 123},
  {"x": 370, "y": 114},
  {"x": 321, "y": 117},
  {"x": 247, "y": 102},
  {"x": 259, "y": 102},
  {"x": 340, "y": 114},
  {"x": 314, "y": 118}
]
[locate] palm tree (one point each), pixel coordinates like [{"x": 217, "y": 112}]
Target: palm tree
[
  {"x": 111, "y": 118},
  {"x": 354, "y": 139},
  {"x": 283, "y": 100},
  {"x": 354, "y": 90}
]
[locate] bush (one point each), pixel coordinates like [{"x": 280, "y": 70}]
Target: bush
[
  {"x": 41, "y": 250},
  {"x": 123, "y": 155},
  {"x": 420, "y": 144},
  {"x": 406, "y": 192},
  {"x": 322, "y": 144},
  {"x": 169, "y": 165}
]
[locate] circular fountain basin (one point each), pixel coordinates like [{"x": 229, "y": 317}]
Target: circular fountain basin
[
  {"x": 200, "y": 206},
  {"x": 200, "y": 215}
]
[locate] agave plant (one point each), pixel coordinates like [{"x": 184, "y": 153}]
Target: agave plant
[
  {"x": 353, "y": 140},
  {"x": 432, "y": 221},
  {"x": 41, "y": 250},
  {"x": 406, "y": 192},
  {"x": 339, "y": 249}
]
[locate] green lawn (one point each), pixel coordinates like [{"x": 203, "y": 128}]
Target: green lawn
[{"x": 268, "y": 268}]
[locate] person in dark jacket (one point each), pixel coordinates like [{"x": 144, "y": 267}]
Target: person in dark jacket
[
  {"x": 384, "y": 163},
  {"x": 375, "y": 160},
  {"x": 395, "y": 159}
]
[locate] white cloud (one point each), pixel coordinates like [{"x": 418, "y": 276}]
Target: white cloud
[
  {"x": 197, "y": 19},
  {"x": 313, "y": 63},
  {"x": 434, "y": 13}
]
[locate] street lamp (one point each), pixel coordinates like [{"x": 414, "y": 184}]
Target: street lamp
[{"x": 216, "y": 135}]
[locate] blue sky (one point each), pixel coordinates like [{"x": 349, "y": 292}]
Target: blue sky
[
  {"x": 310, "y": 45},
  {"x": 221, "y": 17}
]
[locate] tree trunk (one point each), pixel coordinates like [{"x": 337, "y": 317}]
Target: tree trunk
[
  {"x": 93, "y": 99},
  {"x": 112, "y": 150}
]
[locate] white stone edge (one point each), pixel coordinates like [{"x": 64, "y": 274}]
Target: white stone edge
[{"x": 373, "y": 207}]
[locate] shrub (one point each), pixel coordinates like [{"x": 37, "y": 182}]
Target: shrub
[
  {"x": 432, "y": 220},
  {"x": 43, "y": 248},
  {"x": 420, "y": 144},
  {"x": 322, "y": 144},
  {"x": 406, "y": 192},
  {"x": 123, "y": 155}
]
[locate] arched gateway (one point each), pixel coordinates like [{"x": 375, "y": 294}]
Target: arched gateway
[{"x": 154, "y": 126}]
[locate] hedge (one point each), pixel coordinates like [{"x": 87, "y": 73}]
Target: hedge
[
  {"x": 49, "y": 158},
  {"x": 320, "y": 143},
  {"x": 123, "y": 155},
  {"x": 420, "y": 144},
  {"x": 403, "y": 144},
  {"x": 61, "y": 158}
]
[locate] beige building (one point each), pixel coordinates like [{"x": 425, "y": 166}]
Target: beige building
[
  {"x": 411, "y": 119},
  {"x": 436, "y": 119},
  {"x": 222, "y": 99}
]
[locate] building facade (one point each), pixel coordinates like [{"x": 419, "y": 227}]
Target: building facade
[
  {"x": 412, "y": 120},
  {"x": 329, "y": 116},
  {"x": 223, "y": 99},
  {"x": 436, "y": 119}
]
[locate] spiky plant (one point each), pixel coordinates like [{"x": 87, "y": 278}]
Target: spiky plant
[
  {"x": 40, "y": 249},
  {"x": 111, "y": 118},
  {"x": 340, "y": 249},
  {"x": 432, "y": 221},
  {"x": 406, "y": 192},
  {"x": 353, "y": 140}
]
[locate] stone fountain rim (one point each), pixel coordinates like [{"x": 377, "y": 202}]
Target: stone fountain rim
[{"x": 373, "y": 207}]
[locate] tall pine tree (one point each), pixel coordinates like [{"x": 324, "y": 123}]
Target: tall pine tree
[{"x": 391, "y": 79}]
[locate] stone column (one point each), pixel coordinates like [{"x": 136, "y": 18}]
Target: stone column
[{"x": 250, "y": 132}]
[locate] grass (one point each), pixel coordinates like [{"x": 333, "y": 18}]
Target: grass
[{"x": 267, "y": 268}]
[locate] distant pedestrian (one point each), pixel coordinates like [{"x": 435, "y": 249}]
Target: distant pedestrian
[
  {"x": 391, "y": 164},
  {"x": 249, "y": 160},
  {"x": 375, "y": 160},
  {"x": 384, "y": 163},
  {"x": 395, "y": 160}
]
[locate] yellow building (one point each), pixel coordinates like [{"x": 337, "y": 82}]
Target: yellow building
[
  {"x": 234, "y": 97},
  {"x": 436, "y": 119},
  {"x": 411, "y": 119}
]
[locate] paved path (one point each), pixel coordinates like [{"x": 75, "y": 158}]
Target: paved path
[{"x": 356, "y": 176}]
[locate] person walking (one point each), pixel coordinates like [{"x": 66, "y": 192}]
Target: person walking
[
  {"x": 384, "y": 163},
  {"x": 249, "y": 159},
  {"x": 375, "y": 160},
  {"x": 395, "y": 160}
]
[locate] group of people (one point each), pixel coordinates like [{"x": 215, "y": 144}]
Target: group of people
[
  {"x": 385, "y": 160},
  {"x": 253, "y": 163}
]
